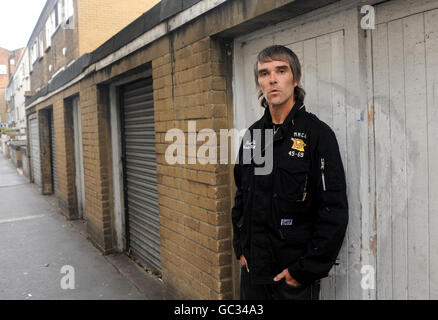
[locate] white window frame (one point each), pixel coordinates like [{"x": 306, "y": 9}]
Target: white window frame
[
  {"x": 69, "y": 9},
  {"x": 56, "y": 16},
  {"x": 60, "y": 11},
  {"x": 40, "y": 45},
  {"x": 49, "y": 30},
  {"x": 3, "y": 69},
  {"x": 34, "y": 51}
]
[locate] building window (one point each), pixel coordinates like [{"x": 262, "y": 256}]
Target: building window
[
  {"x": 62, "y": 12},
  {"x": 41, "y": 45},
  {"x": 69, "y": 9},
  {"x": 55, "y": 10},
  {"x": 60, "y": 7},
  {"x": 34, "y": 51},
  {"x": 50, "y": 28},
  {"x": 12, "y": 62},
  {"x": 3, "y": 69}
]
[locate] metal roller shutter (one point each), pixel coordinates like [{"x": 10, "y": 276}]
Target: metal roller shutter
[
  {"x": 35, "y": 151},
  {"x": 141, "y": 195},
  {"x": 53, "y": 154}
]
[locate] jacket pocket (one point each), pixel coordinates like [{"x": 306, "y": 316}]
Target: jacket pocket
[
  {"x": 297, "y": 233},
  {"x": 293, "y": 181},
  {"x": 292, "y": 199}
]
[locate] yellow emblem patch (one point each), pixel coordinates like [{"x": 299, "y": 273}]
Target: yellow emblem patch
[{"x": 298, "y": 144}]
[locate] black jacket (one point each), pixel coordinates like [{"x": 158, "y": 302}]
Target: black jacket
[{"x": 296, "y": 216}]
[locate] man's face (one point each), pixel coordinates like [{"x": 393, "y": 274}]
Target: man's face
[{"x": 275, "y": 80}]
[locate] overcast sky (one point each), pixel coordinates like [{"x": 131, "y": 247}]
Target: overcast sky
[{"x": 17, "y": 20}]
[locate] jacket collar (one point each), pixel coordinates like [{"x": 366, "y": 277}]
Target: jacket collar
[{"x": 297, "y": 108}]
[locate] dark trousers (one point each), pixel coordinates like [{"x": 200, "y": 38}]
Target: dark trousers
[{"x": 275, "y": 291}]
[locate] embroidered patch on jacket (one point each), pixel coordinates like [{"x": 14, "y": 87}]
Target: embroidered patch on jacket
[
  {"x": 298, "y": 144},
  {"x": 300, "y": 135},
  {"x": 286, "y": 222}
]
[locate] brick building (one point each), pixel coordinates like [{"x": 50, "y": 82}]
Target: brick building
[
  {"x": 18, "y": 81},
  {"x": 4, "y": 80},
  {"x": 192, "y": 60},
  {"x": 4, "y": 69},
  {"x": 14, "y": 58},
  {"x": 67, "y": 29}
]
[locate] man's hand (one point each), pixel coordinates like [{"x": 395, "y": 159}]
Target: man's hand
[
  {"x": 243, "y": 262},
  {"x": 288, "y": 278}
]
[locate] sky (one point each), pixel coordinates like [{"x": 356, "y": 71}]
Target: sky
[{"x": 17, "y": 20}]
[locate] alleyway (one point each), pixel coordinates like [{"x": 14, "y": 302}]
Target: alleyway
[{"x": 36, "y": 242}]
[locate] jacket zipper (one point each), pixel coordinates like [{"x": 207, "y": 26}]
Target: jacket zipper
[
  {"x": 304, "y": 191},
  {"x": 322, "y": 174}
]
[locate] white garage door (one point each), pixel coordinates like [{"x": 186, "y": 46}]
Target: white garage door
[
  {"x": 405, "y": 72},
  {"x": 35, "y": 151},
  {"x": 390, "y": 162},
  {"x": 321, "y": 52}
]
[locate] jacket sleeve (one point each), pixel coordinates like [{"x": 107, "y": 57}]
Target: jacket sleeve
[
  {"x": 237, "y": 210},
  {"x": 332, "y": 216}
]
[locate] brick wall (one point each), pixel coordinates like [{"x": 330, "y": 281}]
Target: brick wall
[
  {"x": 45, "y": 150},
  {"x": 99, "y": 20},
  {"x": 61, "y": 104},
  {"x": 53, "y": 56},
  {"x": 65, "y": 162},
  {"x": 95, "y": 21},
  {"x": 4, "y": 60},
  {"x": 97, "y": 163},
  {"x": 4, "y": 80},
  {"x": 194, "y": 199},
  {"x": 16, "y": 56}
]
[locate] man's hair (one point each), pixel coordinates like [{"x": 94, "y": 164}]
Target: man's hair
[{"x": 277, "y": 52}]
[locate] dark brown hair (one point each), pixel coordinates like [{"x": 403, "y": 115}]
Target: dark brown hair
[{"x": 277, "y": 52}]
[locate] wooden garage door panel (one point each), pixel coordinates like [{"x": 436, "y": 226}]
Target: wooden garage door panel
[{"x": 405, "y": 68}]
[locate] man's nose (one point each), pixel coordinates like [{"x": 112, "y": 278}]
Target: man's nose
[{"x": 272, "y": 77}]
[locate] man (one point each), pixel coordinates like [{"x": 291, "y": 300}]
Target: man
[{"x": 288, "y": 224}]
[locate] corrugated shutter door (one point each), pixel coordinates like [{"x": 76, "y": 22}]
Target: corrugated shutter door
[
  {"x": 141, "y": 195},
  {"x": 35, "y": 151},
  {"x": 53, "y": 155}
]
